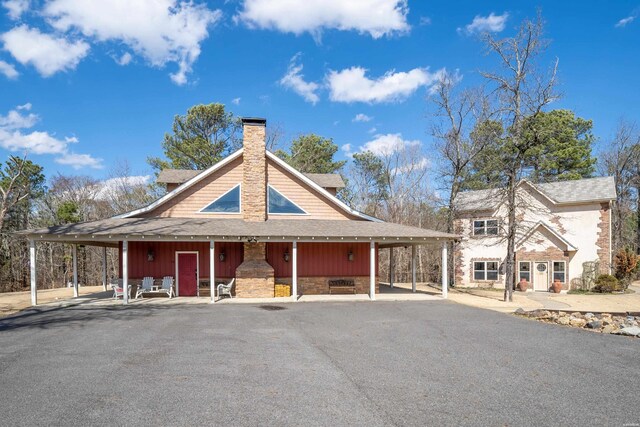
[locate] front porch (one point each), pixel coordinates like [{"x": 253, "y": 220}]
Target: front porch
[{"x": 312, "y": 257}]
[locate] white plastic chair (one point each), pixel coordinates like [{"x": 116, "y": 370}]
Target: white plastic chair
[
  {"x": 225, "y": 289},
  {"x": 118, "y": 290},
  {"x": 167, "y": 286},
  {"x": 145, "y": 286}
]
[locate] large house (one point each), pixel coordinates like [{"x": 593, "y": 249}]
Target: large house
[
  {"x": 250, "y": 217},
  {"x": 563, "y": 227}
]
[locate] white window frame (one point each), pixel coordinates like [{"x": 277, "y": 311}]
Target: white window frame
[
  {"x": 485, "y": 227},
  {"x": 289, "y": 199},
  {"x": 553, "y": 271},
  {"x": 239, "y": 186},
  {"x": 520, "y": 270},
  {"x": 485, "y": 271}
]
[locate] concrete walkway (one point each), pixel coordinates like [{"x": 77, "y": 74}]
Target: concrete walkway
[
  {"x": 492, "y": 300},
  {"x": 481, "y": 298}
]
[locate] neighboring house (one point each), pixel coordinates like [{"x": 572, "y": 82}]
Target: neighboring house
[
  {"x": 561, "y": 226},
  {"x": 250, "y": 217}
]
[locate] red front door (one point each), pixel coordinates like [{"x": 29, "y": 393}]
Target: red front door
[{"x": 187, "y": 275}]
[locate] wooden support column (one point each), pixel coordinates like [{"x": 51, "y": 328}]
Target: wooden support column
[
  {"x": 445, "y": 271},
  {"x": 125, "y": 272},
  {"x": 372, "y": 271},
  {"x": 212, "y": 270},
  {"x": 75, "y": 271},
  {"x": 413, "y": 268},
  {"x": 104, "y": 268},
  {"x": 392, "y": 266},
  {"x": 294, "y": 271},
  {"x": 32, "y": 269}
]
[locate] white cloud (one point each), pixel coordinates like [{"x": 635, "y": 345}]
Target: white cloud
[
  {"x": 124, "y": 59},
  {"x": 13, "y": 138},
  {"x": 373, "y": 130},
  {"x": 111, "y": 186},
  {"x": 425, "y": 20},
  {"x": 8, "y": 70},
  {"x": 360, "y": 117},
  {"x": 161, "y": 31},
  {"x": 48, "y": 53},
  {"x": 385, "y": 145},
  {"x": 294, "y": 80},
  {"x": 346, "y": 148},
  {"x": 486, "y": 24},
  {"x": 79, "y": 161},
  {"x": 15, "y": 120},
  {"x": 15, "y": 8},
  {"x": 375, "y": 17},
  {"x": 624, "y": 21},
  {"x": 236, "y": 101},
  {"x": 352, "y": 85}
]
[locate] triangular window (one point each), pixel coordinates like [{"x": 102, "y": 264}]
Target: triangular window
[
  {"x": 229, "y": 202},
  {"x": 279, "y": 204}
]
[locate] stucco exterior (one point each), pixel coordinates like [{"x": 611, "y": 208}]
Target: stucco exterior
[{"x": 548, "y": 232}]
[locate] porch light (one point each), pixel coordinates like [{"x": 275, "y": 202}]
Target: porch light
[
  {"x": 286, "y": 255},
  {"x": 150, "y": 254},
  {"x": 222, "y": 256},
  {"x": 350, "y": 256}
]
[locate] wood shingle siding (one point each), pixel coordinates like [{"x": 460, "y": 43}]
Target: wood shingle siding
[
  {"x": 188, "y": 203},
  {"x": 317, "y": 206}
]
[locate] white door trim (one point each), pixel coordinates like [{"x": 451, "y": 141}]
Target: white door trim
[{"x": 197, "y": 271}]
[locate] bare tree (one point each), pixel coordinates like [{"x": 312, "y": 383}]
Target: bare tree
[
  {"x": 622, "y": 161},
  {"x": 12, "y": 191},
  {"x": 521, "y": 91},
  {"x": 458, "y": 113}
]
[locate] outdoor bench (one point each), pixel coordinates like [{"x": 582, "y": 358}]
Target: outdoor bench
[{"x": 342, "y": 285}]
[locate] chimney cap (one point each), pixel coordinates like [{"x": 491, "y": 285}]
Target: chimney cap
[{"x": 256, "y": 121}]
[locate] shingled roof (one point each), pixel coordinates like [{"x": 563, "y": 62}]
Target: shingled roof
[
  {"x": 180, "y": 176},
  {"x": 586, "y": 190},
  {"x": 114, "y": 229},
  {"x": 176, "y": 176}
]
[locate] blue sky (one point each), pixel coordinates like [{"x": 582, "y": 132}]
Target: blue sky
[{"x": 85, "y": 85}]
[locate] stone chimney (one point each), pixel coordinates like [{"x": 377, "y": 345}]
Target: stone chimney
[
  {"x": 254, "y": 170},
  {"x": 255, "y": 276}
]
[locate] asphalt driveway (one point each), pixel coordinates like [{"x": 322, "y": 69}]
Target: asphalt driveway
[{"x": 383, "y": 363}]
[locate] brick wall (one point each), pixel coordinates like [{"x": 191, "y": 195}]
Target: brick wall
[
  {"x": 550, "y": 254},
  {"x": 320, "y": 285}
]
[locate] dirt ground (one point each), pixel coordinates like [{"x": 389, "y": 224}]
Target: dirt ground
[{"x": 12, "y": 302}]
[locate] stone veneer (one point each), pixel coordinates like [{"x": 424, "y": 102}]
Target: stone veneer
[
  {"x": 254, "y": 277},
  {"x": 319, "y": 285},
  {"x": 254, "y": 171},
  {"x": 603, "y": 241}
]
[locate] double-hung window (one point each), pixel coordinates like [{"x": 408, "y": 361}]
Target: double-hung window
[
  {"x": 559, "y": 271},
  {"x": 524, "y": 270},
  {"x": 485, "y": 227},
  {"x": 485, "y": 270}
]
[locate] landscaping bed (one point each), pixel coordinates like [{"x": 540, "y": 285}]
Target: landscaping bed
[{"x": 607, "y": 323}]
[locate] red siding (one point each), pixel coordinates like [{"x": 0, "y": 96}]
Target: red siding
[
  {"x": 321, "y": 259},
  {"x": 314, "y": 259},
  {"x": 164, "y": 262},
  {"x": 275, "y": 257}
]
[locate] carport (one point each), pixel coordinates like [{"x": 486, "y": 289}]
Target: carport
[{"x": 125, "y": 233}]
